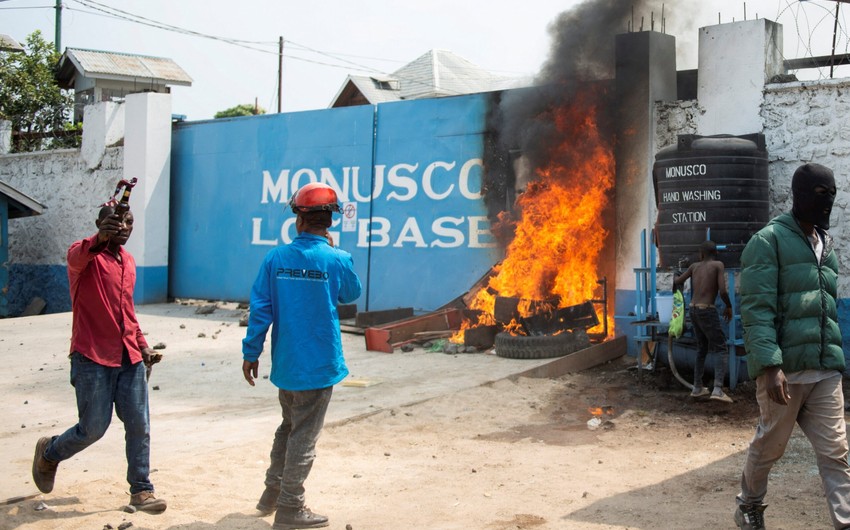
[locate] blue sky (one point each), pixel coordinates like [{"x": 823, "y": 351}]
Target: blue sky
[{"x": 327, "y": 39}]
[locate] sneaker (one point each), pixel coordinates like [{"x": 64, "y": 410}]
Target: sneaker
[
  {"x": 293, "y": 518},
  {"x": 145, "y": 501},
  {"x": 718, "y": 395},
  {"x": 699, "y": 392},
  {"x": 43, "y": 470},
  {"x": 750, "y": 516},
  {"x": 268, "y": 501}
]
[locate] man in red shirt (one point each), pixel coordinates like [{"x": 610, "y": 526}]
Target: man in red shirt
[{"x": 110, "y": 359}]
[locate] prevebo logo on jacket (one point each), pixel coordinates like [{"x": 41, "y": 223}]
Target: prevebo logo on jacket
[{"x": 289, "y": 273}]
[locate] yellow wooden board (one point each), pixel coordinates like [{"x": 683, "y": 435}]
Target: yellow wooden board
[{"x": 360, "y": 382}]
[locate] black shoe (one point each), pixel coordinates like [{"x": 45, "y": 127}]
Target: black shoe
[
  {"x": 268, "y": 501},
  {"x": 43, "y": 470},
  {"x": 293, "y": 518},
  {"x": 750, "y": 516}
]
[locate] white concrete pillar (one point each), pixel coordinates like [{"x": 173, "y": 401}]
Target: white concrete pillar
[
  {"x": 736, "y": 60},
  {"x": 147, "y": 156},
  {"x": 5, "y": 137},
  {"x": 104, "y": 126}
]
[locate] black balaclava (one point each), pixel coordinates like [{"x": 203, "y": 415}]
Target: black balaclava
[{"x": 811, "y": 207}]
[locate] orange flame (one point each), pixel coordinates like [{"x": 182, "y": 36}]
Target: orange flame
[{"x": 560, "y": 231}]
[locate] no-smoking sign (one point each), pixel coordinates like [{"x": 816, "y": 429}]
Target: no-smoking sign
[{"x": 349, "y": 217}]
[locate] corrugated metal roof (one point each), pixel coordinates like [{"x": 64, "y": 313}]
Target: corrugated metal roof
[
  {"x": 20, "y": 204},
  {"x": 377, "y": 90},
  {"x": 9, "y": 44},
  {"x": 442, "y": 73},
  {"x": 436, "y": 73},
  {"x": 99, "y": 64}
]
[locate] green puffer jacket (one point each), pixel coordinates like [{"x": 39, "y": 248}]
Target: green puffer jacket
[{"x": 788, "y": 305}]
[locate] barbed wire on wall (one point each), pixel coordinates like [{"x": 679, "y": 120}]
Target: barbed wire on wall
[{"x": 821, "y": 30}]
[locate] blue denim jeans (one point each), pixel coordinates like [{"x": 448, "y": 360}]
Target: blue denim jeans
[
  {"x": 294, "y": 447},
  {"x": 98, "y": 388}
]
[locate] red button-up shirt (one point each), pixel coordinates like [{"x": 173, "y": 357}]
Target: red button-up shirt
[{"x": 104, "y": 317}]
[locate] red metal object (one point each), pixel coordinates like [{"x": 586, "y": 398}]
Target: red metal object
[{"x": 385, "y": 338}]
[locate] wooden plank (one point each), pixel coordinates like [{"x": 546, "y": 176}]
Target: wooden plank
[
  {"x": 580, "y": 360},
  {"x": 385, "y": 338},
  {"x": 346, "y": 311},
  {"x": 366, "y": 319},
  {"x": 425, "y": 335}
]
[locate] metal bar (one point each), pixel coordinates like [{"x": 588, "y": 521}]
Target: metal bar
[
  {"x": 821, "y": 61},
  {"x": 732, "y": 334}
]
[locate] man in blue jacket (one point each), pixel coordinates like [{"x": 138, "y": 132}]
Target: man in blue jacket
[
  {"x": 296, "y": 294},
  {"x": 789, "y": 281}
]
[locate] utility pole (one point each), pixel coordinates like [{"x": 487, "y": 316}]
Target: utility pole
[
  {"x": 279, "y": 75},
  {"x": 58, "y": 39}
]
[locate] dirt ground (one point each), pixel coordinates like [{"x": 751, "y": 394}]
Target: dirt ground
[{"x": 512, "y": 454}]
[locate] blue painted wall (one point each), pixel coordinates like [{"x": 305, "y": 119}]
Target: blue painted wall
[
  {"x": 408, "y": 174},
  {"x": 4, "y": 256},
  {"x": 52, "y": 287}
]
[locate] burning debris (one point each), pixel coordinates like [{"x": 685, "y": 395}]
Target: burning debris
[
  {"x": 548, "y": 188},
  {"x": 549, "y": 279}
]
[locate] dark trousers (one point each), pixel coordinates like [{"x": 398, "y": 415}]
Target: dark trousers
[
  {"x": 98, "y": 388},
  {"x": 710, "y": 338},
  {"x": 294, "y": 447}
]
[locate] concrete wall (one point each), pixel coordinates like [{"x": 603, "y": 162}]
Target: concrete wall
[
  {"x": 62, "y": 181},
  {"x": 802, "y": 122},
  {"x": 73, "y": 183}
]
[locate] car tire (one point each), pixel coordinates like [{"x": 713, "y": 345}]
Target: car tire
[{"x": 540, "y": 346}]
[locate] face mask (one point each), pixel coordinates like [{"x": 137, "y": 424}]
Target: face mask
[{"x": 813, "y": 187}]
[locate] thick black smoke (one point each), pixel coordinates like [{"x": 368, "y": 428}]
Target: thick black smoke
[{"x": 520, "y": 121}]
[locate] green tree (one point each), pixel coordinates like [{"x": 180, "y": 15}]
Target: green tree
[
  {"x": 245, "y": 109},
  {"x": 30, "y": 97}
]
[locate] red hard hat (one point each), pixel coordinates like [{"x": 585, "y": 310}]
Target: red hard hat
[{"x": 313, "y": 197}]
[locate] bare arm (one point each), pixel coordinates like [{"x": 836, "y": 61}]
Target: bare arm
[
  {"x": 723, "y": 291},
  {"x": 680, "y": 280}
]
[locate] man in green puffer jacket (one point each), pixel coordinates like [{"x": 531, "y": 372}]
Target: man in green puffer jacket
[{"x": 789, "y": 275}]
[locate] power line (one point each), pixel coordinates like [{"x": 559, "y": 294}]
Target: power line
[{"x": 110, "y": 12}]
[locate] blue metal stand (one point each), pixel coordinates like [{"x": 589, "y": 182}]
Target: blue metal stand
[
  {"x": 646, "y": 333},
  {"x": 645, "y": 310},
  {"x": 732, "y": 339}
]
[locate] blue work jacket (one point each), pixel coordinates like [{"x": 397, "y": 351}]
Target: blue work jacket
[{"x": 296, "y": 294}]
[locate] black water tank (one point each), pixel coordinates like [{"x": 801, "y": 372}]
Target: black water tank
[{"x": 710, "y": 184}]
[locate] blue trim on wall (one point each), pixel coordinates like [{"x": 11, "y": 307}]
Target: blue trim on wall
[
  {"x": 844, "y": 324},
  {"x": 49, "y": 282},
  {"x": 151, "y": 285}
]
